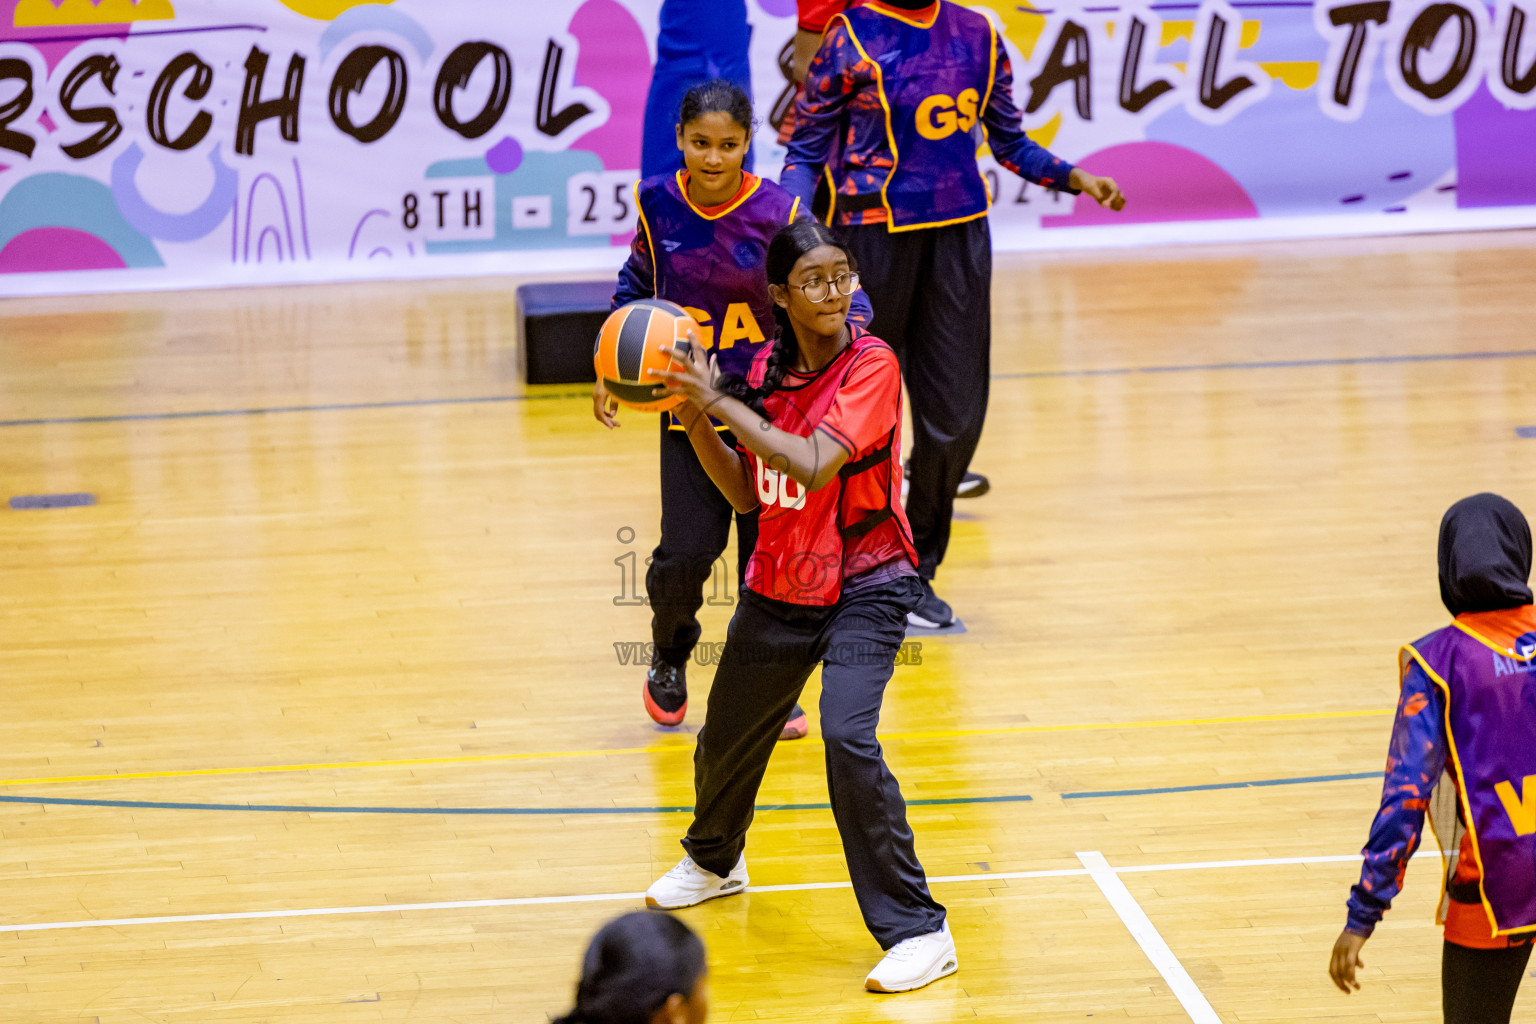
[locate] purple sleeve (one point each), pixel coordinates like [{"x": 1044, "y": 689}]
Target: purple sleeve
[
  {"x": 1005, "y": 133},
  {"x": 1415, "y": 762},
  {"x": 859, "y": 309},
  {"x": 829, "y": 86},
  {"x": 637, "y": 278}
]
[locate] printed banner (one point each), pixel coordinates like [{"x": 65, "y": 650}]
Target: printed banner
[{"x": 174, "y": 143}]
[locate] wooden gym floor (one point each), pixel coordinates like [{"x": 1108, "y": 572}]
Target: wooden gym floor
[{"x": 338, "y": 639}]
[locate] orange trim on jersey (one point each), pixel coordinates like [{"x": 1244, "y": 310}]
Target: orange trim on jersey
[
  {"x": 890, "y": 131},
  {"x": 981, "y": 115},
  {"x": 1497, "y": 629},
  {"x": 891, "y": 223},
  {"x": 912, "y": 18},
  {"x": 650, "y": 243},
  {"x": 1469, "y": 818},
  {"x": 895, "y": 228},
  {"x": 749, "y": 185}
]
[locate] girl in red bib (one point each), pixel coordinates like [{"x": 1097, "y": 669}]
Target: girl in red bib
[{"x": 830, "y": 583}]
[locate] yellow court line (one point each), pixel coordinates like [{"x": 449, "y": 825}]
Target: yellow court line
[
  {"x": 664, "y": 748},
  {"x": 1302, "y": 716}
]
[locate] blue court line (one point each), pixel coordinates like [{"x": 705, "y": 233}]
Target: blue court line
[
  {"x": 275, "y": 409},
  {"x": 1222, "y": 785},
  {"x": 158, "y": 805},
  {"x": 1525, "y": 431},
  {"x": 301, "y": 808},
  {"x": 40, "y": 501},
  {"x": 1278, "y": 364},
  {"x": 1275, "y": 364}
]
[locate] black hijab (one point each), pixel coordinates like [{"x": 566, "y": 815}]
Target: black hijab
[{"x": 1485, "y": 555}]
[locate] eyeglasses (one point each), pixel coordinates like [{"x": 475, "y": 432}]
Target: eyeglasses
[{"x": 821, "y": 291}]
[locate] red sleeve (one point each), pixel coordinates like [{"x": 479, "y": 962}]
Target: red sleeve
[
  {"x": 867, "y": 402},
  {"x": 814, "y": 14}
]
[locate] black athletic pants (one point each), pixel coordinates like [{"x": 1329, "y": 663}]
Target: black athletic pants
[
  {"x": 695, "y": 526},
  {"x": 1478, "y": 986},
  {"x": 932, "y": 294},
  {"x": 770, "y": 650}
]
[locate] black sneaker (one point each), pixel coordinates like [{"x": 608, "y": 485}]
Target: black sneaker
[
  {"x": 931, "y": 613},
  {"x": 666, "y": 692},
  {"x": 972, "y": 485}
]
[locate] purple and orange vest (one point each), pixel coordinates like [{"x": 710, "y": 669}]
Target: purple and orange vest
[
  {"x": 1490, "y": 725},
  {"x": 711, "y": 263},
  {"x": 934, "y": 81}
]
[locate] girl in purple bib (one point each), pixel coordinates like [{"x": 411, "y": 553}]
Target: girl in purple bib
[
  {"x": 1464, "y": 752},
  {"x": 702, "y": 240}
]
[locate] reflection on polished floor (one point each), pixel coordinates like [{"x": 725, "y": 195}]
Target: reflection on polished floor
[{"x": 345, "y": 631}]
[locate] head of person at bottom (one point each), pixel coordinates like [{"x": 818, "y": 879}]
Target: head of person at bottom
[
  {"x": 714, "y": 129},
  {"x": 1485, "y": 555},
  {"x": 642, "y": 968}
]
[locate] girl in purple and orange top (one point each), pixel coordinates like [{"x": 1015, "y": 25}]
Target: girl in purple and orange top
[
  {"x": 1464, "y": 752},
  {"x": 897, "y": 102},
  {"x": 702, "y": 238}
]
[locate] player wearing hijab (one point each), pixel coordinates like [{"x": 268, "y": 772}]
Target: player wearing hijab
[{"x": 1464, "y": 751}]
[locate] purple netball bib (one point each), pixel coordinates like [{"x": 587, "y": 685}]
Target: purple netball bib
[
  {"x": 1491, "y": 719},
  {"x": 711, "y": 263},
  {"x": 934, "y": 82}
]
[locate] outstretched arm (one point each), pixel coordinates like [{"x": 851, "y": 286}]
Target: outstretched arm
[
  {"x": 1025, "y": 157},
  {"x": 1415, "y": 761}
]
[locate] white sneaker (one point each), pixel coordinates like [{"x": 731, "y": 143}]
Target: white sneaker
[
  {"x": 915, "y": 962},
  {"x": 688, "y": 884}
]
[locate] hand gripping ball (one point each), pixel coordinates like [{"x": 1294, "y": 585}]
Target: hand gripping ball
[{"x": 628, "y": 346}]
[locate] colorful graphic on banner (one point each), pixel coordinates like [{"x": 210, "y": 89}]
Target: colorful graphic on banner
[{"x": 184, "y": 142}]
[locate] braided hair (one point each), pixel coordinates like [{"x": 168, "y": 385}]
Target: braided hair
[
  {"x": 788, "y": 246},
  {"x": 633, "y": 966}
]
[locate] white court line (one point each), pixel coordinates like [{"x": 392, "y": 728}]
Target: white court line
[
  {"x": 1147, "y": 937},
  {"x": 617, "y": 897},
  {"x": 1267, "y": 862}
]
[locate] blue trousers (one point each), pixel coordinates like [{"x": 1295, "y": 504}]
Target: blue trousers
[{"x": 699, "y": 40}]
